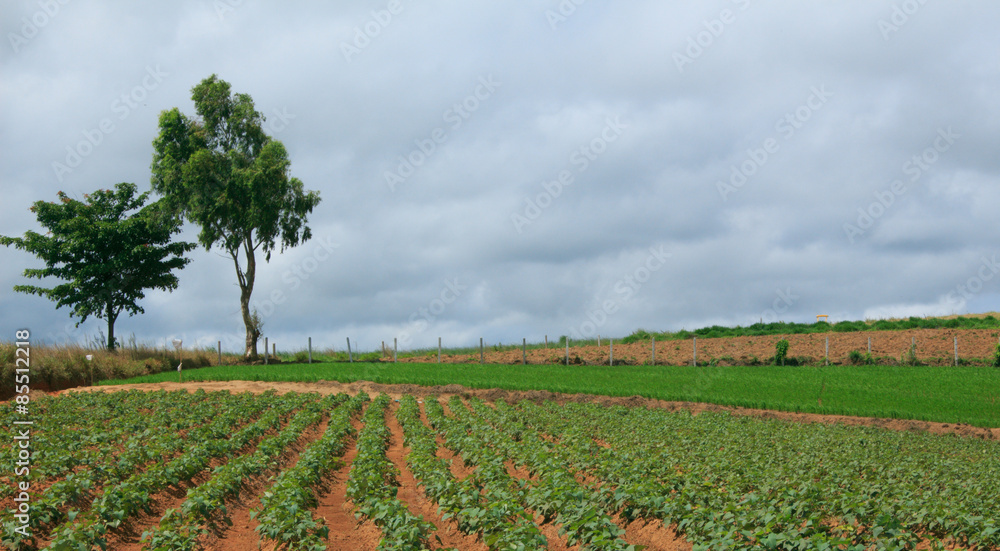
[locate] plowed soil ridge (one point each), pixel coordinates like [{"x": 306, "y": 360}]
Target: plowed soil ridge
[
  {"x": 933, "y": 346},
  {"x": 447, "y": 534}
]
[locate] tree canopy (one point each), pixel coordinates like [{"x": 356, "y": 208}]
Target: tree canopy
[
  {"x": 107, "y": 249},
  {"x": 222, "y": 172}
]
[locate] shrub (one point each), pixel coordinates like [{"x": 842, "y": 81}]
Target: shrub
[
  {"x": 910, "y": 356},
  {"x": 996, "y": 356},
  {"x": 780, "y": 352}
]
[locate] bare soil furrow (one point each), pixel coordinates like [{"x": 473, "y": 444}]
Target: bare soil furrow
[
  {"x": 346, "y": 532},
  {"x": 447, "y": 534}
]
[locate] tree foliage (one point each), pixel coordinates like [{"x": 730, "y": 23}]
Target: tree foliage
[
  {"x": 221, "y": 171},
  {"x": 107, "y": 249}
]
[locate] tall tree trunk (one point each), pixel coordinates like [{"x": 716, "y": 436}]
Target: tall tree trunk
[
  {"x": 111, "y": 316},
  {"x": 253, "y": 333},
  {"x": 246, "y": 289}
]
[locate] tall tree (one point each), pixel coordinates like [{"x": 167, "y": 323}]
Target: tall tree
[
  {"x": 109, "y": 250},
  {"x": 224, "y": 173}
]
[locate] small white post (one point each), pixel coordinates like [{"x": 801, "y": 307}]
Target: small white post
[
  {"x": 567, "y": 350},
  {"x": 439, "y": 349},
  {"x": 310, "y": 350},
  {"x": 546, "y": 342},
  {"x": 350, "y": 357},
  {"x": 480, "y": 350},
  {"x": 695, "y": 361},
  {"x": 869, "y": 346},
  {"x": 180, "y": 361},
  {"x": 524, "y": 351},
  {"x": 611, "y": 352},
  {"x": 827, "y": 360},
  {"x": 220, "y": 352},
  {"x": 265, "y": 350},
  {"x": 654, "y": 350},
  {"x": 395, "y": 348},
  {"x": 956, "y": 351},
  {"x": 598, "y": 340}
]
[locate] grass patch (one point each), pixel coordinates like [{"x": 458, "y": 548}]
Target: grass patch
[{"x": 945, "y": 394}]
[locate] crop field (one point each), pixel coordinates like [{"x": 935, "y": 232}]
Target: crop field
[
  {"x": 216, "y": 470},
  {"x": 964, "y": 394}
]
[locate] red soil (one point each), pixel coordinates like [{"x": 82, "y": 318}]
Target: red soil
[
  {"x": 933, "y": 346},
  {"x": 447, "y": 534}
]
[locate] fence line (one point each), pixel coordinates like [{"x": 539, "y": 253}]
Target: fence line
[{"x": 803, "y": 347}]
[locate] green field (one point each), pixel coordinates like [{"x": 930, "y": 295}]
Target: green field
[{"x": 968, "y": 395}]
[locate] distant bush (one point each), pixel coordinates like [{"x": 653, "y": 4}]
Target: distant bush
[{"x": 780, "y": 352}]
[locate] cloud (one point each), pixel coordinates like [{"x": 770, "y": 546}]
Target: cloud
[{"x": 410, "y": 87}]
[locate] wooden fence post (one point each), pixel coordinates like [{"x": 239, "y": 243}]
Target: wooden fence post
[
  {"x": 524, "y": 351},
  {"x": 695, "y": 352},
  {"x": 310, "y": 350},
  {"x": 567, "y": 350},
  {"x": 611, "y": 353},
  {"x": 350, "y": 356},
  {"x": 439, "y": 349},
  {"x": 265, "y": 350},
  {"x": 220, "y": 352},
  {"x": 654, "y": 350},
  {"x": 395, "y": 348},
  {"x": 480, "y": 350}
]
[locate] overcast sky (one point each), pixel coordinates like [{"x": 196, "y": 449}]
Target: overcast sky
[{"x": 509, "y": 170}]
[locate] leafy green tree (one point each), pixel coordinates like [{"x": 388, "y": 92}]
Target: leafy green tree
[
  {"x": 224, "y": 173},
  {"x": 108, "y": 250}
]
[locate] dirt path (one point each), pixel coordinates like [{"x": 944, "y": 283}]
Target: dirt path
[
  {"x": 242, "y": 534},
  {"x": 548, "y": 529},
  {"x": 447, "y": 534},
  {"x": 653, "y": 534},
  {"x": 346, "y": 532},
  {"x": 492, "y": 394}
]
